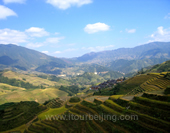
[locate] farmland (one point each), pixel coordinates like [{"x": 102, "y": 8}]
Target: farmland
[{"x": 146, "y": 118}]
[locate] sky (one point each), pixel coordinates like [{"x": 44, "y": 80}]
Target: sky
[{"x": 71, "y": 28}]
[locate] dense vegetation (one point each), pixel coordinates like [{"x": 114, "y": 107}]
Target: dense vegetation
[
  {"x": 111, "y": 116},
  {"x": 54, "y": 103},
  {"x": 18, "y": 83},
  {"x": 16, "y": 114},
  {"x": 163, "y": 67},
  {"x": 71, "y": 90},
  {"x": 74, "y": 99},
  {"x": 167, "y": 90}
]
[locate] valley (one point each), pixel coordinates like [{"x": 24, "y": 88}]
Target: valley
[
  {"x": 130, "y": 105},
  {"x": 48, "y": 97},
  {"x": 84, "y": 66}
]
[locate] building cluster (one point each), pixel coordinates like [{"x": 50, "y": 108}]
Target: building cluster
[{"x": 107, "y": 84}]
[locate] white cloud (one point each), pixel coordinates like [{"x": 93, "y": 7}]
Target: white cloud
[
  {"x": 64, "y": 4},
  {"x": 167, "y": 16},
  {"x": 130, "y": 30},
  {"x": 57, "y": 52},
  {"x": 34, "y": 45},
  {"x": 66, "y": 50},
  {"x": 161, "y": 35},
  {"x": 6, "y": 12},
  {"x": 37, "y": 32},
  {"x": 98, "y": 48},
  {"x": 48, "y": 40},
  {"x": 93, "y": 28},
  {"x": 54, "y": 39},
  {"x": 8, "y": 36},
  {"x": 45, "y": 52},
  {"x": 14, "y": 1}
]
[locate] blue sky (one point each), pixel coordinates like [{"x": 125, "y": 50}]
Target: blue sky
[{"x": 70, "y": 28}]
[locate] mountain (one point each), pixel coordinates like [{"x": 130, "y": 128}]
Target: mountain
[
  {"x": 129, "y": 60},
  {"x": 150, "y": 50},
  {"x": 25, "y": 59},
  {"x": 163, "y": 67},
  {"x": 128, "y": 66},
  {"x": 126, "y": 60}
]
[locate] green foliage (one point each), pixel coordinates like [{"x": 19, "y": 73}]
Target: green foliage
[
  {"x": 53, "y": 103},
  {"x": 18, "y": 83},
  {"x": 74, "y": 99},
  {"x": 167, "y": 76},
  {"x": 152, "y": 103},
  {"x": 17, "y": 114},
  {"x": 71, "y": 90},
  {"x": 167, "y": 90},
  {"x": 157, "y": 97}
]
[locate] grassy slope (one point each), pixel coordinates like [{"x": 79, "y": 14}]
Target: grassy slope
[
  {"x": 33, "y": 79},
  {"x": 5, "y": 89},
  {"x": 52, "y": 112},
  {"x": 145, "y": 123},
  {"x": 39, "y": 95},
  {"x": 163, "y": 67}
]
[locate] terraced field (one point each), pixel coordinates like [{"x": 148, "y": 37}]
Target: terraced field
[
  {"x": 13, "y": 115},
  {"x": 33, "y": 79},
  {"x": 156, "y": 83},
  {"x": 146, "y": 113},
  {"x": 38, "y": 95}
]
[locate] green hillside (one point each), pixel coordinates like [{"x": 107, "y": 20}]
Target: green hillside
[
  {"x": 163, "y": 67},
  {"x": 139, "y": 108},
  {"x": 128, "y": 66},
  {"x": 13, "y": 56},
  {"x": 113, "y": 115},
  {"x": 16, "y": 114}
]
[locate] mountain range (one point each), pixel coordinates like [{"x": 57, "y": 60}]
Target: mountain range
[
  {"x": 124, "y": 60},
  {"x": 150, "y": 50}
]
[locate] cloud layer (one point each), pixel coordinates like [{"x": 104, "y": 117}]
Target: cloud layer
[
  {"x": 93, "y": 28},
  {"x": 37, "y": 32},
  {"x": 161, "y": 35},
  {"x": 29, "y": 36},
  {"x": 8, "y": 36},
  {"x": 6, "y": 12},
  {"x": 64, "y": 4}
]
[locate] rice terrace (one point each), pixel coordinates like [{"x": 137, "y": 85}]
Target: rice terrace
[{"x": 84, "y": 66}]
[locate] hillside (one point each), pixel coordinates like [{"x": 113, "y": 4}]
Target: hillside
[
  {"x": 136, "y": 105},
  {"x": 145, "y": 113},
  {"x": 129, "y": 60},
  {"x": 138, "y": 84},
  {"x": 128, "y": 66},
  {"x": 163, "y": 67},
  {"x": 16, "y": 87},
  {"x": 13, "y": 56}
]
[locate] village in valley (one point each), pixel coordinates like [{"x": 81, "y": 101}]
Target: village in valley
[{"x": 107, "y": 84}]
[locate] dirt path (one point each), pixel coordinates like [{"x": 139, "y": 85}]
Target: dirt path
[
  {"x": 128, "y": 97},
  {"x": 29, "y": 123},
  {"x": 132, "y": 96}
]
